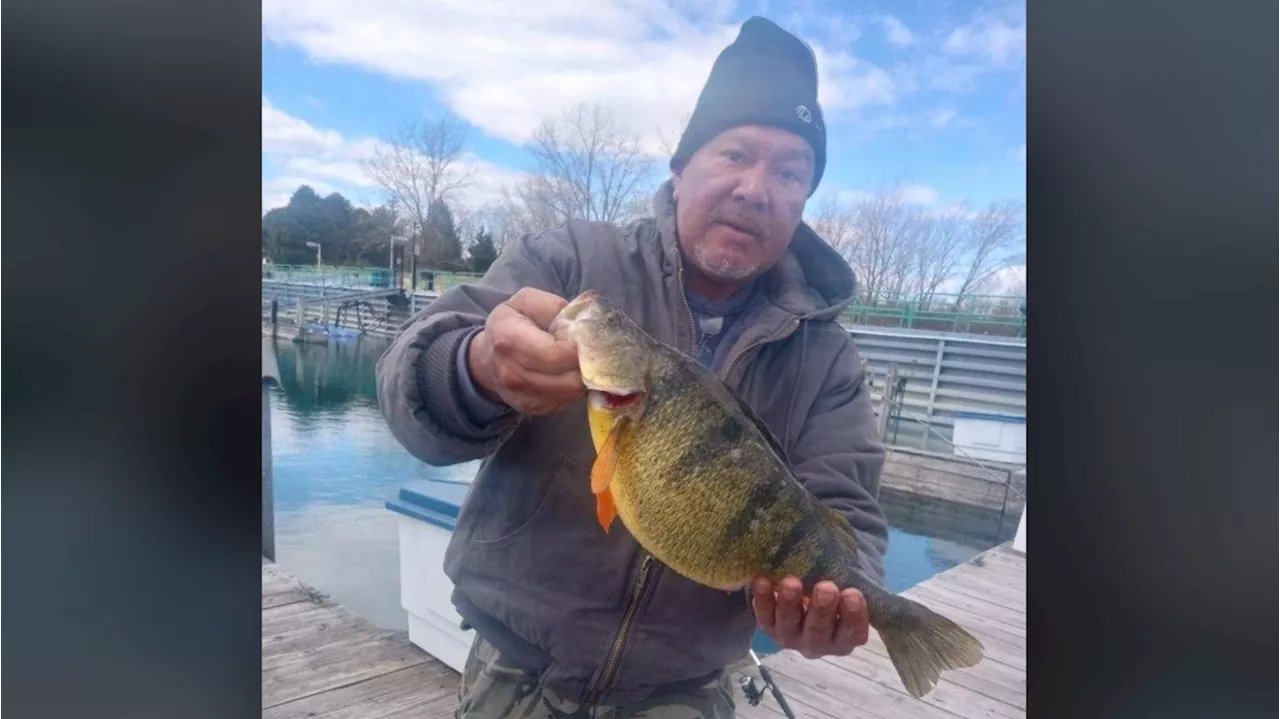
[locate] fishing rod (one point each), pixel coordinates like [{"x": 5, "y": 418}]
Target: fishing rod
[{"x": 755, "y": 694}]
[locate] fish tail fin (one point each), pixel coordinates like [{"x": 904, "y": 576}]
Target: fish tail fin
[{"x": 921, "y": 643}]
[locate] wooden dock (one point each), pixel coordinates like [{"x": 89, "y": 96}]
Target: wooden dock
[
  {"x": 994, "y": 487},
  {"x": 321, "y": 662},
  {"x": 986, "y": 595}
]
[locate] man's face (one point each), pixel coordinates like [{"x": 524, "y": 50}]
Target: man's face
[{"x": 740, "y": 198}]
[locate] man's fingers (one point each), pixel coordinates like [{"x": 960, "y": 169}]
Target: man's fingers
[
  {"x": 789, "y": 614},
  {"x": 851, "y": 631},
  {"x": 541, "y": 307},
  {"x": 518, "y": 338},
  {"x": 820, "y": 620},
  {"x": 537, "y": 393},
  {"x": 763, "y": 603}
]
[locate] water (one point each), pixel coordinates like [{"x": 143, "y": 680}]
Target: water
[{"x": 336, "y": 463}]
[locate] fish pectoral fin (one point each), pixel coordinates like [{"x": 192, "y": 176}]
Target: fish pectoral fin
[
  {"x": 606, "y": 460},
  {"x": 602, "y": 476},
  {"x": 606, "y": 512}
]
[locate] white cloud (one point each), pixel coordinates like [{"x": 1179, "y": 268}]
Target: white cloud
[
  {"x": 957, "y": 211},
  {"x": 1010, "y": 279},
  {"x": 919, "y": 194},
  {"x": 302, "y": 154},
  {"x": 284, "y": 133},
  {"x": 851, "y": 196},
  {"x": 896, "y": 32},
  {"x": 997, "y": 36},
  {"x": 644, "y": 58},
  {"x": 913, "y": 194},
  {"x": 942, "y": 117}
]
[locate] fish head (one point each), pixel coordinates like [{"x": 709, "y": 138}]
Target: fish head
[{"x": 613, "y": 351}]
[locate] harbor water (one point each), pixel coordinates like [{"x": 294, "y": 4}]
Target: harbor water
[{"x": 335, "y": 464}]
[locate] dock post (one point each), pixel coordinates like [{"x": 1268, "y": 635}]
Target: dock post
[
  {"x": 270, "y": 374},
  {"x": 275, "y": 316},
  {"x": 1020, "y": 537},
  {"x": 886, "y": 401}
]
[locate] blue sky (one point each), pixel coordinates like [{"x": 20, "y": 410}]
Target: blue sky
[{"x": 927, "y": 92}]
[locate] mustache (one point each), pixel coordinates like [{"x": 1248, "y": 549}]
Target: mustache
[{"x": 739, "y": 221}]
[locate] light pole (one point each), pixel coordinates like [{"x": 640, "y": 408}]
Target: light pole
[
  {"x": 391, "y": 258},
  {"x": 315, "y": 246}
]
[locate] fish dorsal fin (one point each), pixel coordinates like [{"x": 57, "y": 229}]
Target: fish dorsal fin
[
  {"x": 747, "y": 411},
  {"x": 760, "y": 425}
]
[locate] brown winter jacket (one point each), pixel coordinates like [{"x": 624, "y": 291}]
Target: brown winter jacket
[{"x": 589, "y": 612}]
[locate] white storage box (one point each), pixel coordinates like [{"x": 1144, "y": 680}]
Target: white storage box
[
  {"x": 428, "y": 512},
  {"x": 994, "y": 437}
]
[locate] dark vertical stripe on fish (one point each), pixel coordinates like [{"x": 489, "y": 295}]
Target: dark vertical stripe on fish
[
  {"x": 762, "y": 496},
  {"x": 794, "y": 538}
]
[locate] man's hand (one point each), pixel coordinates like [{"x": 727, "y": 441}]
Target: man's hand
[
  {"x": 516, "y": 361},
  {"x": 833, "y": 624}
]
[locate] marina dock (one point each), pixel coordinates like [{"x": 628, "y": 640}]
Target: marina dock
[
  {"x": 987, "y": 595},
  {"x": 319, "y": 661}
]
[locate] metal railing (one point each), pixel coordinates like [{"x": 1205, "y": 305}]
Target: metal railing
[
  {"x": 944, "y": 377},
  {"x": 965, "y": 314},
  {"x": 994, "y": 315}
]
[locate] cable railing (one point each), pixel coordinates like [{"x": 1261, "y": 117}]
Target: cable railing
[{"x": 1000, "y": 315}]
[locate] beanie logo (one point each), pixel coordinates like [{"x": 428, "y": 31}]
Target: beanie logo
[{"x": 803, "y": 113}]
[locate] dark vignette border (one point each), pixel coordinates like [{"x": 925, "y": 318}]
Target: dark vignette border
[
  {"x": 132, "y": 170},
  {"x": 133, "y": 179},
  {"x": 1152, "y": 204}
]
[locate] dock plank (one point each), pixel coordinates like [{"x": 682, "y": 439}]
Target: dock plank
[
  {"x": 322, "y": 662},
  {"x": 414, "y": 688},
  {"x": 986, "y": 596}
]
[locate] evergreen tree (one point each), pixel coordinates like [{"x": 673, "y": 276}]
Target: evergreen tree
[
  {"x": 443, "y": 246},
  {"x": 482, "y": 252}
]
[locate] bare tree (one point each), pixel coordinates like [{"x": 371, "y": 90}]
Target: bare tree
[
  {"x": 884, "y": 224},
  {"x": 587, "y": 167},
  {"x": 834, "y": 221},
  {"x": 989, "y": 246},
  {"x": 419, "y": 164},
  {"x": 669, "y": 138},
  {"x": 529, "y": 207},
  {"x": 937, "y": 253}
]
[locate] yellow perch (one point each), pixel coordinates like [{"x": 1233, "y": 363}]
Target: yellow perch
[{"x": 702, "y": 484}]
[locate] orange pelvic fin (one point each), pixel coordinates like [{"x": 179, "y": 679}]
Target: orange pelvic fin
[{"x": 605, "y": 511}]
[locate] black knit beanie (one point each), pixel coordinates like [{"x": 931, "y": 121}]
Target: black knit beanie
[{"x": 766, "y": 76}]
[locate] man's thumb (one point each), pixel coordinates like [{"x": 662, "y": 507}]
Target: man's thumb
[{"x": 540, "y": 307}]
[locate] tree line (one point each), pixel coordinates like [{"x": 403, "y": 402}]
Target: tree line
[
  {"x": 354, "y": 236},
  {"x": 586, "y": 165}
]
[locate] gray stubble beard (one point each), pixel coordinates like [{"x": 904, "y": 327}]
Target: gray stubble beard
[{"x": 721, "y": 270}]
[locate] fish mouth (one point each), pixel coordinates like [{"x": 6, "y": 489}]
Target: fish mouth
[
  {"x": 582, "y": 307},
  {"x": 613, "y": 399}
]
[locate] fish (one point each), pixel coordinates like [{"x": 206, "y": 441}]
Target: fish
[{"x": 704, "y": 486}]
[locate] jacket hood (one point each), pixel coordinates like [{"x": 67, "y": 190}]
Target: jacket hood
[{"x": 811, "y": 281}]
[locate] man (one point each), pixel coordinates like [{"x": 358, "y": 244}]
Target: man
[{"x": 572, "y": 621}]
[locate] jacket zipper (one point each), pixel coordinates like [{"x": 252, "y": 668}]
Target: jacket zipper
[
  {"x": 643, "y": 576},
  {"x": 646, "y": 566},
  {"x": 688, "y": 313},
  {"x": 615, "y": 652},
  {"x": 728, "y": 367}
]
